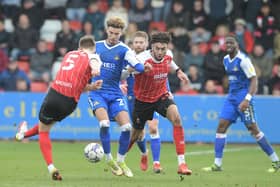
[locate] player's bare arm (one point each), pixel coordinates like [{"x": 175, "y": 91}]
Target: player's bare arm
[
  {"x": 252, "y": 90},
  {"x": 182, "y": 76}
]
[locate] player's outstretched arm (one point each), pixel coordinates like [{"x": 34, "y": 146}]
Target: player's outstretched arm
[{"x": 182, "y": 76}]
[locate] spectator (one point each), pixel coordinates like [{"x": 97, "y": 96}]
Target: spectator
[
  {"x": 96, "y": 18},
  {"x": 210, "y": 87},
  {"x": 3, "y": 61},
  {"x": 274, "y": 82},
  {"x": 198, "y": 17},
  {"x": 141, "y": 15},
  {"x": 75, "y": 9},
  {"x": 24, "y": 39},
  {"x": 41, "y": 63},
  {"x": 200, "y": 35},
  {"x": 160, "y": 9},
  {"x": 213, "y": 67},
  {"x": 57, "y": 62},
  {"x": 22, "y": 85},
  {"x": 195, "y": 77},
  {"x": 10, "y": 77},
  {"x": 220, "y": 34},
  {"x": 265, "y": 27},
  {"x": 65, "y": 39},
  {"x": 276, "y": 44},
  {"x": 86, "y": 30},
  {"x": 244, "y": 37},
  {"x": 130, "y": 31},
  {"x": 55, "y": 9},
  {"x": 186, "y": 89},
  {"x": 35, "y": 14},
  {"x": 4, "y": 37},
  {"x": 194, "y": 57},
  {"x": 251, "y": 12},
  {"x": 10, "y": 7},
  {"x": 177, "y": 25},
  {"x": 263, "y": 65},
  {"x": 117, "y": 10},
  {"x": 218, "y": 12}
]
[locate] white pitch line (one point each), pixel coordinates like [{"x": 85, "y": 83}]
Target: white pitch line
[{"x": 207, "y": 152}]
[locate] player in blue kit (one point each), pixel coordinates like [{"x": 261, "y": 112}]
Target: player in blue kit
[
  {"x": 240, "y": 103},
  {"x": 139, "y": 44},
  {"x": 108, "y": 103}
]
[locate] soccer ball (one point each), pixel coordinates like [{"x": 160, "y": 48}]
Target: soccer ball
[{"x": 93, "y": 152}]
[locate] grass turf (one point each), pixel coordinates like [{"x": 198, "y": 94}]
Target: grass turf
[{"x": 21, "y": 165}]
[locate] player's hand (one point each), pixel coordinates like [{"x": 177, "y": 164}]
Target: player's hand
[
  {"x": 183, "y": 77},
  {"x": 96, "y": 85},
  {"x": 243, "y": 105},
  {"x": 95, "y": 72},
  {"x": 123, "y": 88},
  {"x": 148, "y": 67}
]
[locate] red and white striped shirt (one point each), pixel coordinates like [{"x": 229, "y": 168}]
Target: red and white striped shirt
[
  {"x": 73, "y": 75},
  {"x": 150, "y": 86}
]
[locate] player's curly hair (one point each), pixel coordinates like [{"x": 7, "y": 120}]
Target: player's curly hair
[
  {"x": 115, "y": 22},
  {"x": 161, "y": 37}
]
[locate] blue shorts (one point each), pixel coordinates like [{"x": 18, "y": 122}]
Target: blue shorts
[
  {"x": 112, "y": 103},
  {"x": 231, "y": 112},
  {"x": 130, "y": 103}
]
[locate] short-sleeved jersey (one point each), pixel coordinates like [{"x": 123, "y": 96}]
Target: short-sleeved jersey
[
  {"x": 113, "y": 61},
  {"x": 239, "y": 71},
  {"x": 73, "y": 75},
  {"x": 150, "y": 86}
]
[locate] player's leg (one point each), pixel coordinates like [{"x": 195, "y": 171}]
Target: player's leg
[
  {"x": 54, "y": 108},
  {"x": 167, "y": 108},
  {"x": 105, "y": 138},
  {"x": 122, "y": 119},
  {"x": 155, "y": 142},
  {"x": 265, "y": 146},
  {"x": 24, "y": 132},
  {"x": 248, "y": 117},
  {"x": 141, "y": 143},
  {"x": 227, "y": 117}
]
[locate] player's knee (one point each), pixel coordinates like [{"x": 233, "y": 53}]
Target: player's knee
[
  {"x": 153, "y": 130},
  {"x": 259, "y": 135},
  {"x": 126, "y": 127},
  {"x": 154, "y": 135},
  {"x": 104, "y": 123}
]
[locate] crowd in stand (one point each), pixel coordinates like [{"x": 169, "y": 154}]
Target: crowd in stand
[{"x": 31, "y": 54}]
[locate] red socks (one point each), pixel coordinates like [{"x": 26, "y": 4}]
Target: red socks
[
  {"x": 46, "y": 146},
  {"x": 179, "y": 140},
  {"x": 32, "y": 132}
]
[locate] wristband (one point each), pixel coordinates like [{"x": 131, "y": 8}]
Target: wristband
[
  {"x": 177, "y": 70},
  {"x": 248, "y": 97}
]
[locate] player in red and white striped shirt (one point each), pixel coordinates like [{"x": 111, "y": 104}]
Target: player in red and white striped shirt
[
  {"x": 152, "y": 95},
  {"x": 61, "y": 100}
]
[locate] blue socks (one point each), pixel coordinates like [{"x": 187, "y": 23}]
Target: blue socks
[
  {"x": 264, "y": 144},
  {"x": 142, "y": 145},
  {"x": 124, "y": 142},
  {"x": 105, "y": 139},
  {"x": 220, "y": 142},
  {"x": 155, "y": 147}
]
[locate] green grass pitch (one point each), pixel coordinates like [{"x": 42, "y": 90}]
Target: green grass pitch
[{"x": 21, "y": 165}]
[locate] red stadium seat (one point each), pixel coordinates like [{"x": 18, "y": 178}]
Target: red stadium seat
[
  {"x": 157, "y": 26},
  {"x": 75, "y": 25},
  {"x": 24, "y": 66},
  {"x": 38, "y": 86}
]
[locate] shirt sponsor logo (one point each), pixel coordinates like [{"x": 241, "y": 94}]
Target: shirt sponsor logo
[
  {"x": 62, "y": 83},
  {"x": 160, "y": 76},
  {"x": 109, "y": 65},
  {"x": 232, "y": 78}
]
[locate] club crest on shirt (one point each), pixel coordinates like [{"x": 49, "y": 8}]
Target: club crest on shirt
[
  {"x": 235, "y": 68},
  {"x": 116, "y": 58}
]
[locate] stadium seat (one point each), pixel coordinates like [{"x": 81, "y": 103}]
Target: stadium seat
[
  {"x": 158, "y": 26},
  {"x": 49, "y": 29},
  {"x": 8, "y": 25},
  {"x": 24, "y": 66},
  {"x": 75, "y": 25},
  {"x": 38, "y": 86}
]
